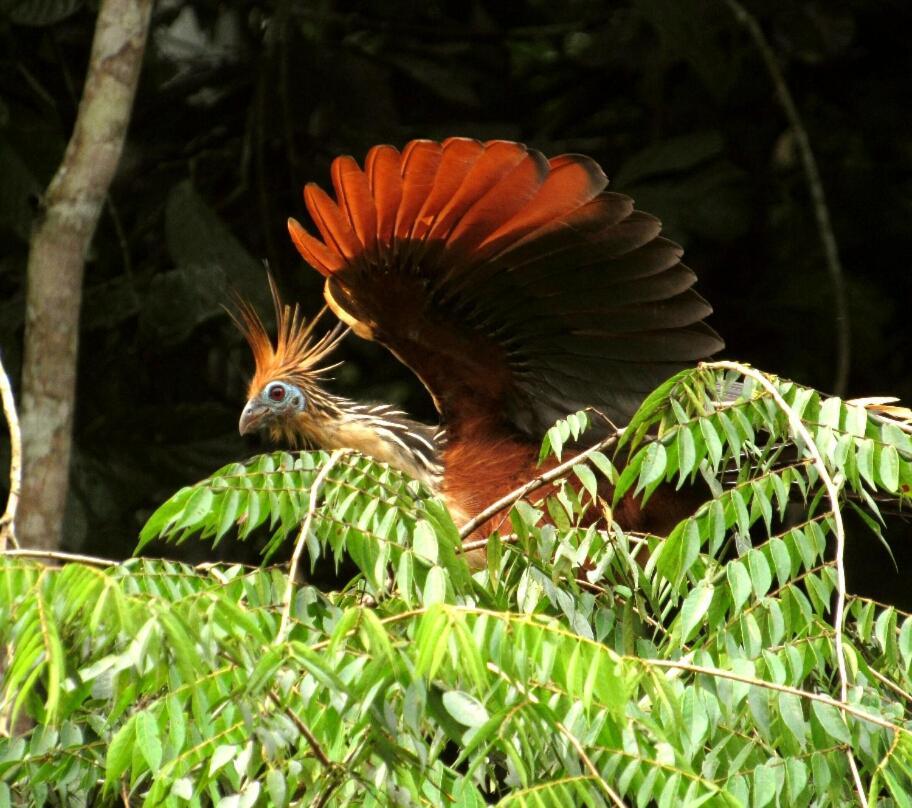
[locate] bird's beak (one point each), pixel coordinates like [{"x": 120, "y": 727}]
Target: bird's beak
[{"x": 252, "y": 417}]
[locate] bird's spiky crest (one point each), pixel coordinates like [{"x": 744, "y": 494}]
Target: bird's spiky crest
[{"x": 296, "y": 355}]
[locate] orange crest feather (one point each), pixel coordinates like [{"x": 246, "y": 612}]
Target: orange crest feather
[{"x": 296, "y": 354}]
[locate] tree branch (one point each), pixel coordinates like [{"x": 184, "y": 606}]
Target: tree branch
[
  {"x": 56, "y": 555},
  {"x": 315, "y": 490},
  {"x": 311, "y": 739},
  {"x": 799, "y": 430},
  {"x": 722, "y": 673},
  {"x": 818, "y": 196},
  {"x": 542, "y": 479},
  {"x": 8, "y": 520},
  {"x": 71, "y": 209}
]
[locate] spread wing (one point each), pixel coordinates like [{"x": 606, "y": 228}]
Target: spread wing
[{"x": 514, "y": 286}]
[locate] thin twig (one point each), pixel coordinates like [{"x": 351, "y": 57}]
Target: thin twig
[
  {"x": 800, "y": 430},
  {"x": 315, "y": 489},
  {"x": 886, "y": 757},
  {"x": 311, "y": 739},
  {"x": 8, "y": 520},
  {"x": 721, "y": 673},
  {"x": 543, "y": 479},
  {"x": 478, "y": 544},
  {"x": 574, "y": 742},
  {"x": 58, "y": 555},
  {"x": 818, "y": 196},
  {"x": 603, "y": 784},
  {"x": 892, "y": 685},
  {"x": 212, "y": 568}
]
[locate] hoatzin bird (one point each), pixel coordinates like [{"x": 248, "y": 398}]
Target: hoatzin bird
[{"x": 515, "y": 287}]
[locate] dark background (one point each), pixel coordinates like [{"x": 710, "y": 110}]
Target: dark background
[{"x": 241, "y": 103}]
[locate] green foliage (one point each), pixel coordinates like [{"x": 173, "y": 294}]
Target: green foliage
[
  {"x": 243, "y": 103},
  {"x": 575, "y": 668}
]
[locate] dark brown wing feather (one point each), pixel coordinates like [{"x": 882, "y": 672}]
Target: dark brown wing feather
[{"x": 516, "y": 287}]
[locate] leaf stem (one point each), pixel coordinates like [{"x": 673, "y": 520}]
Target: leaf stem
[
  {"x": 315, "y": 490},
  {"x": 59, "y": 555},
  {"x": 721, "y": 673},
  {"x": 537, "y": 482},
  {"x": 801, "y": 431}
]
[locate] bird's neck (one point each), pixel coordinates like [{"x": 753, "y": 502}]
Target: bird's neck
[{"x": 381, "y": 432}]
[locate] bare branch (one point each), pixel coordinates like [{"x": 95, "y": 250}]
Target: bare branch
[
  {"x": 315, "y": 490},
  {"x": 799, "y": 430},
  {"x": 311, "y": 739},
  {"x": 818, "y": 196},
  {"x": 57, "y": 555},
  {"x": 542, "y": 479},
  {"x": 822, "y": 698},
  {"x": 8, "y": 520}
]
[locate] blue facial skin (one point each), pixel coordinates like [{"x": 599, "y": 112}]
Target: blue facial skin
[{"x": 276, "y": 401}]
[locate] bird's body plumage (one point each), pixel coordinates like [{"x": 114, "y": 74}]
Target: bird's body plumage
[{"x": 518, "y": 290}]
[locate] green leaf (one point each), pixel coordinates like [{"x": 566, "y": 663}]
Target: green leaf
[
  {"x": 740, "y": 584},
  {"x": 865, "y": 461},
  {"x": 197, "y": 508},
  {"x": 555, "y": 441},
  {"x": 905, "y": 642},
  {"x": 120, "y": 752},
  {"x": 163, "y": 516},
  {"x": 761, "y": 576},
  {"x": 856, "y": 420},
  {"x": 182, "y": 788},
  {"x": 832, "y": 722},
  {"x": 149, "y": 740},
  {"x": 177, "y": 727},
  {"x": 687, "y": 452},
  {"x": 888, "y": 468},
  {"x": 679, "y": 551},
  {"x": 604, "y": 465},
  {"x": 652, "y": 468},
  {"x": 781, "y": 560},
  {"x": 764, "y": 786},
  {"x": 277, "y": 788},
  {"x": 792, "y": 714},
  {"x": 586, "y": 476},
  {"x": 830, "y": 412},
  {"x": 713, "y": 443},
  {"x": 221, "y": 757},
  {"x": 694, "y": 608},
  {"x": 434, "y": 587},
  {"x": 465, "y": 708},
  {"x": 424, "y": 541}
]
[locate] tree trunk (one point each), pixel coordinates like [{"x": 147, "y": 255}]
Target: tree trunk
[{"x": 72, "y": 206}]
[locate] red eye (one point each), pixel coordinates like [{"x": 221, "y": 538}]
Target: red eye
[{"x": 276, "y": 392}]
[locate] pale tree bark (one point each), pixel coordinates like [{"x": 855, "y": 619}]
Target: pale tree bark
[{"x": 71, "y": 208}]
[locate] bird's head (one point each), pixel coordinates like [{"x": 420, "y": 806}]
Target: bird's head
[{"x": 285, "y": 397}]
